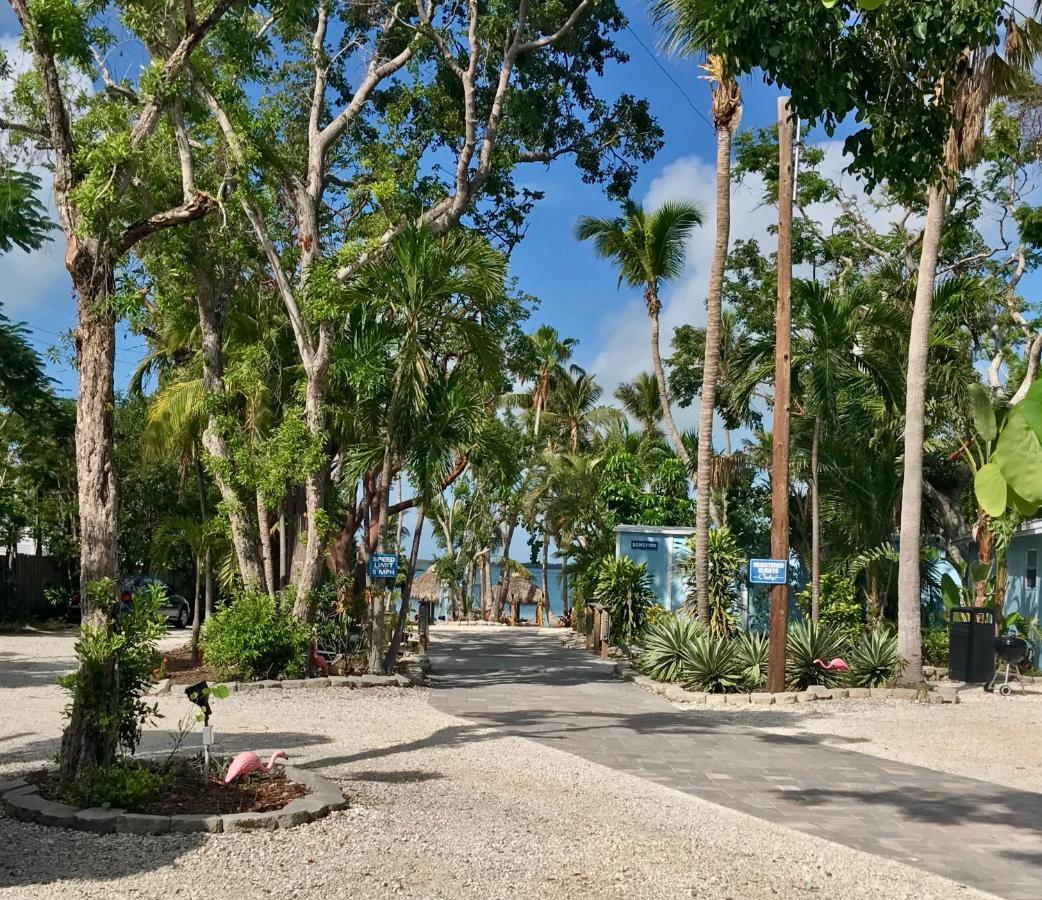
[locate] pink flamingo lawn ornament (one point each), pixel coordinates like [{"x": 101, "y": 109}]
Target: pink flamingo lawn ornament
[
  {"x": 835, "y": 665},
  {"x": 248, "y": 762}
]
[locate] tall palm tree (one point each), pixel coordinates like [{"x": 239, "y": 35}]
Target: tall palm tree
[
  {"x": 641, "y": 400},
  {"x": 647, "y": 249},
  {"x": 683, "y": 22}
]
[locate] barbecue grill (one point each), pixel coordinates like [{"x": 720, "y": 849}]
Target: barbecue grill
[{"x": 1011, "y": 650}]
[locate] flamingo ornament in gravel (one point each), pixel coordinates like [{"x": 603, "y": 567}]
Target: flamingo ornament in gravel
[
  {"x": 248, "y": 762},
  {"x": 836, "y": 665}
]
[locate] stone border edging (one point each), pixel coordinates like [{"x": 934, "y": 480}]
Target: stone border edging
[
  {"x": 419, "y": 666},
  {"x": 675, "y": 692},
  {"x": 22, "y": 801}
]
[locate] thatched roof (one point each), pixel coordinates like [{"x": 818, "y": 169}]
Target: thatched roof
[
  {"x": 524, "y": 592},
  {"x": 427, "y": 586}
]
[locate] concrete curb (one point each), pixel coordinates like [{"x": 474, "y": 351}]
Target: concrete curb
[
  {"x": 677, "y": 693},
  {"x": 22, "y": 801}
]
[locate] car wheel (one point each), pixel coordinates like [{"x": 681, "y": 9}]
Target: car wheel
[{"x": 182, "y": 618}]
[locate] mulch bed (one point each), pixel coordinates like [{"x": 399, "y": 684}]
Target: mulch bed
[
  {"x": 188, "y": 794},
  {"x": 180, "y": 668}
]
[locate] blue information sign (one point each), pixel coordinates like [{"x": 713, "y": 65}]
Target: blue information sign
[
  {"x": 768, "y": 571},
  {"x": 383, "y": 565}
]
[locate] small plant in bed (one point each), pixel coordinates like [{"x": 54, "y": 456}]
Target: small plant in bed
[
  {"x": 175, "y": 786},
  {"x": 807, "y": 643},
  {"x": 255, "y": 637}
]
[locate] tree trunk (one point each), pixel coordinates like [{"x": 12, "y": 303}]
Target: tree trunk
[
  {"x": 654, "y": 305},
  {"x": 264, "y": 535},
  {"x": 546, "y": 568},
  {"x": 284, "y": 546},
  {"x": 88, "y": 742},
  {"x": 209, "y": 585},
  {"x": 985, "y": 556},
  {"x": 505, "y": 572},
  {"x": 390, "y": 661},
  {"x": 310, "y": 573},
  {"x": 211, "y": 307},
  {"x": 196, "y": 611},
  {"x": 564, "y": 588},
  {"x": 378, "y": 591},
  {"x": 815, "y": 526},
  {"x": 909, "y": 633},
  {"x": 710, "y": 367}
]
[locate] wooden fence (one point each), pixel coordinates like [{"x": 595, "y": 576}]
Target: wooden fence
[{"x": 24, "y": 583}]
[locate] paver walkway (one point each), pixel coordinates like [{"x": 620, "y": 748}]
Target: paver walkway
[{"x": 525, "y": 683}]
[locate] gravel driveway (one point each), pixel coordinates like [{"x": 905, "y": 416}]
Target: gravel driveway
[{"x": 441, "y": 808}]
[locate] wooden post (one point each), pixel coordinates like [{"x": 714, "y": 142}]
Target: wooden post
[
  {"x": 780, "y": 444},
  {"x": 605, "y": 632},
  {"x": 588, "y": 616}
]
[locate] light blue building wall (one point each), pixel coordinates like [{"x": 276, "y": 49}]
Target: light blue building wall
[
  {"x": 1022, "y": 587},
  {"x": 662, "y": 549}
]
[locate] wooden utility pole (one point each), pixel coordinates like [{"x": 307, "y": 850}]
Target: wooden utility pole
[{"x": 780, "y": 447}]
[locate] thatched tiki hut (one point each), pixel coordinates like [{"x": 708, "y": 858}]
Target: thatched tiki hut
[
  {"x": 524, "y": 593},
  {"x": 427, "y": 587}
]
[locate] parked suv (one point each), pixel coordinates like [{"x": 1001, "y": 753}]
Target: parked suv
[{"x": 176, "y": 609}]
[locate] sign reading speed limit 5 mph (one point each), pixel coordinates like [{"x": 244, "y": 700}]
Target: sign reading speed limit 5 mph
[{"x": 383, "y": 565}]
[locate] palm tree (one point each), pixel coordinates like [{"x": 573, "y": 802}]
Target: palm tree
[
  {"x": 574, "y": 407},
  {"x": 425, "y": 293},
  {"x": 647, "y": 249},
  {"x": 641, "y": 401},
  {"x": 842, "y": 353},
  {"x": 551, "y": 353},
  {"x": 683, "y": 23}
]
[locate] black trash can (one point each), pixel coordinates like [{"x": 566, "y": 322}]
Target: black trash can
[{"x": 971, "y": 644}]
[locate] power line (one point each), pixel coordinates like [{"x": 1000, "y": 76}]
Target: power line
[{"x": 665, "y": 71}]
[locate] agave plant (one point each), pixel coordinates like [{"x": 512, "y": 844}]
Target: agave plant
[
  {"x": 751, "y": 653},
  {"x": 712, "y": 665},
  {"x": 874, "y": 660},
  {"x": 806, "y": 643},
  {"x": 666, "y": 646}
]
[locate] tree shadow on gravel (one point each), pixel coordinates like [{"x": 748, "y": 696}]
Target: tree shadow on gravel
[
  {"x": 401, "y": 776},
  {"x": 17, "y": 671},
  {"x": 33, "y": 854}
]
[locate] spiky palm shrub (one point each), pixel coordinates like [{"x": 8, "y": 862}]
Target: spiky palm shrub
[
  {"x": 712, "y": 665},
  {"x": 666, "y": 646},
  {"x": 806, "y": 643},
  {"x": 874, "y": 659},
  {"x": 751, "y": 653}
]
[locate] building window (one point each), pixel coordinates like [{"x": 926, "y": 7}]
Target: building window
[{"x": 1031, "y": 576}]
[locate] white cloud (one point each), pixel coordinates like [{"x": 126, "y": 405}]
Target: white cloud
[{"x": 625, "y": 337}]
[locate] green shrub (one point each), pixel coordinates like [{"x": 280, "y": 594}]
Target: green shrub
[
  {"x": 255, "y": 638},
  {"x": 666, "y": 646},
  {"x": 122, "y": 785},
  {"x": 935, "y": 646},
  {"x": 625, "y": 588},
  {"x": 726, "y": 559},
  {"x": 712, "y": 665},
  {"x": 806, "y": 643},
  {"x": 114, "y": 672},
  {"x": 751, "y": 653},
  {"x": 839, "y": 605},
  {"x": 874, "y": 660}
]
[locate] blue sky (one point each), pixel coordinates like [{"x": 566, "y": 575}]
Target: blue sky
[{"x": 578, "y": 292}]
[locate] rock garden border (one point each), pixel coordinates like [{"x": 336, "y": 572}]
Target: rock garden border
[
  {"x": 22, "y": 801},
  {"x": 677, "y": 693},
  {"x": 417, "y": 666}
]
